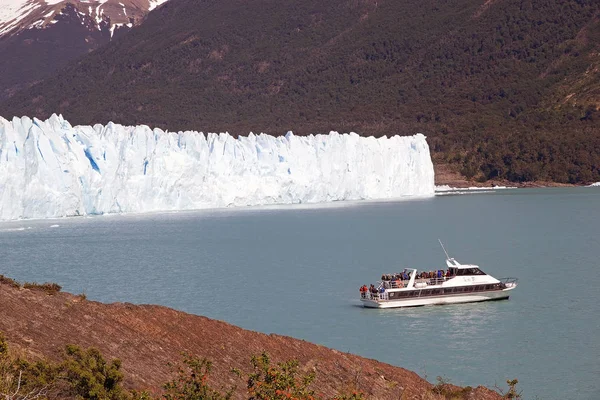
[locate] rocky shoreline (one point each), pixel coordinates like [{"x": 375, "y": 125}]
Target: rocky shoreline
[{"x": 446, "y": 176}]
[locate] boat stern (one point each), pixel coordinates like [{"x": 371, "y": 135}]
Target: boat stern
[{"x": 371, "y": 303}]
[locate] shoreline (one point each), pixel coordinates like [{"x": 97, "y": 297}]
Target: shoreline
[{"x": 445, "y": 175}]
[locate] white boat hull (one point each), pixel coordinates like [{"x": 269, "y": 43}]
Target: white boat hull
[{"x": 438, "y": 300}]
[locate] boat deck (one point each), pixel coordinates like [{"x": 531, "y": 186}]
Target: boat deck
[{"x": 399, "y": 284}]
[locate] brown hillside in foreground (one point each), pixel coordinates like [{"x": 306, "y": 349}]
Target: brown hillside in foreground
[{"x": 147, "y": 337}]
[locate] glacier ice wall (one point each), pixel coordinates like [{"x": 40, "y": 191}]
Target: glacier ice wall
[{"x": 51, "y": 169}]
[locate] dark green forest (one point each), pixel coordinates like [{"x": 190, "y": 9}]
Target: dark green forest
[{"x": 505, "y": 90}]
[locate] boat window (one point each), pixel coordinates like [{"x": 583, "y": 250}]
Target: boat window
[{"x": 469, "y": 271}]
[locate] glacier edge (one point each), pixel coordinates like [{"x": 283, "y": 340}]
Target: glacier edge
[{"x": 52, "y": 169}]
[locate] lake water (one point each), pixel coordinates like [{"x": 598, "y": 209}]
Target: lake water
[{"x": 296, "y": 271}]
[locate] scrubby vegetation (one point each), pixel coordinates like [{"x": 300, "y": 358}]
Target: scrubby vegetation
[
  {"x": 48, "y": 287},
  {"x": 504, "y": 90},
  {"x": 448, "y": 391},
  {"x": 8, "y": 281},
  {"x": 85, "y": 374}
]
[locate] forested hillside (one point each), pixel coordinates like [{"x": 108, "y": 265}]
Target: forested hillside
[{"x": 504, "y": 89}]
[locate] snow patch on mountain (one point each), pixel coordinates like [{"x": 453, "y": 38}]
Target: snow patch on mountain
[
  {"x": 52, "y": 169},
  {"x": 155, "y": 3},
  {"x": 11, "y": 9},
  {"x": 17, "y": 15},
  {"x": 14, "y": 12}
]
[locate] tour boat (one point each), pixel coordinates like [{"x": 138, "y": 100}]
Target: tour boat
[{"x": 460, "y": 283}]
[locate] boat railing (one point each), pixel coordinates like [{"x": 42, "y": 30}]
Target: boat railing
[
  {"x": 434, "y": 281},
  {"x": 508, "y": 282},
  {"x": 394, "y": 284},
  {"x": 399, "y": 284},
  {"x": 375, "y": 296}
]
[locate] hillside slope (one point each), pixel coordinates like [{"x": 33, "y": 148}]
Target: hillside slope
[
  {"x": 503, "y": 89},
  {"x": 146, "y": 338}
]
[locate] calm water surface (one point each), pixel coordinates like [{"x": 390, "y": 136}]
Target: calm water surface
[{"x": 296, "y": 271}]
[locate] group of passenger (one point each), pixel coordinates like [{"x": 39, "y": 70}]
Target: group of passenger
[
  {"x": 371, "y": 289},
  {"x": 396, "y": 281},
  {"x": 403, "y": 276},
  {"x": 434, "y": 274}
]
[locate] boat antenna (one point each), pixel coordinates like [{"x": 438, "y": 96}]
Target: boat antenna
[{"x": 443, "y": 248}]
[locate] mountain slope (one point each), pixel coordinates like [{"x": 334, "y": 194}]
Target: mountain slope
[
  {"x": 19, "y": 15},
  {"x": 38, "y": 37},
  {"x": 146, "y": 338},
  {"x": 503, "y": 89}
]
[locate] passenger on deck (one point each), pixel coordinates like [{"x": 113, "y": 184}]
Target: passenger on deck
[{"x": 362, "y": 291}]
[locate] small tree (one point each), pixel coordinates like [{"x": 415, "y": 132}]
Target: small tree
[
  {"x": 191, "y": 382},
  {"x": 280, "y": 382},
  {"x": 512, "y": 393},
  {"x": 20, "y": 380},
  {"x": 91, "y": 377}
]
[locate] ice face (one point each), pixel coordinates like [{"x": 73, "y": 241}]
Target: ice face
[{"x": 52, "y": 169}]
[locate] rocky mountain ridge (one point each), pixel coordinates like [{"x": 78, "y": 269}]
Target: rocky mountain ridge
[{"x": 38, "y": 37}]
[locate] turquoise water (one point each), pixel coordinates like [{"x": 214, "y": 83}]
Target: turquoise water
[{"x": 296, "y": 271}]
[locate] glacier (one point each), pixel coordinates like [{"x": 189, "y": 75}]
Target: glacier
[{"x": 52, "y": 169}]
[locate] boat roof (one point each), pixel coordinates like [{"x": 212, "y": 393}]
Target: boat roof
[{"x": 452, "y": 263}]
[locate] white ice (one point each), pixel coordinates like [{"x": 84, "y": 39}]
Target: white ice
[{"x": 51, "y": 169}]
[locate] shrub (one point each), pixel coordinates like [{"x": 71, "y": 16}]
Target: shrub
[
  {"x": 49, "y": 288},
  {"x": 280, "y": 382},
  {"x": 91, "y": 377},
  {"x": 449, "y": 391},
  {"x": 20, "y": 379},
  {"x": 191, "y": 384},
  {"x": 10, "y": 282}
]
